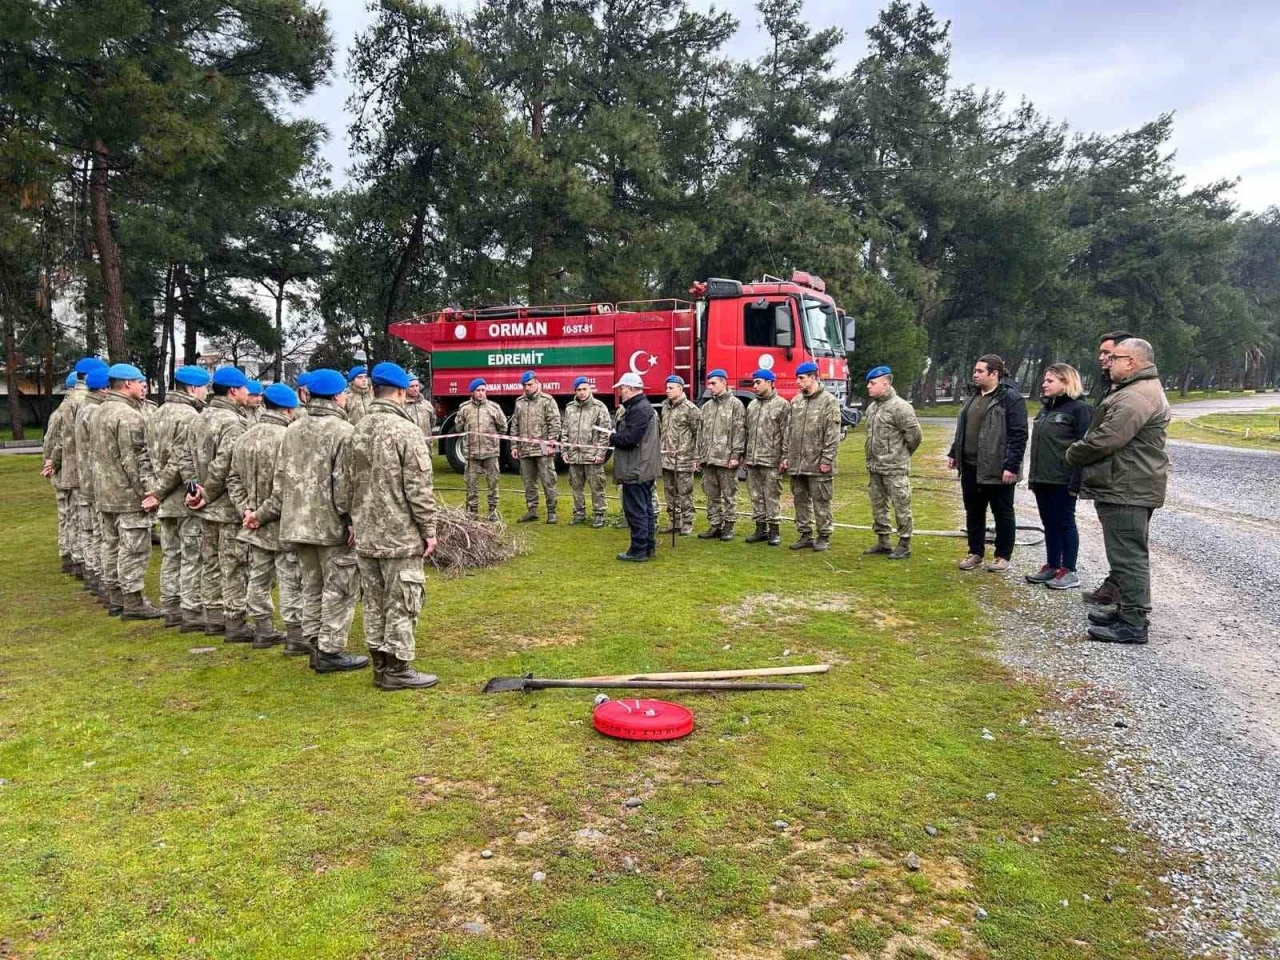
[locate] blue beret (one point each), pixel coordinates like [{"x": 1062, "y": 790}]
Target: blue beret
[
  {"x": 878, "y": 372},
  {"x": 359, "y": 371},
  {"x": 96, "y": 379},
  {"x": 579, "y": 382},
  {"x": 124, "y": 371},
  {"x": 192, "y": 376},
  {"x": 717, "y": 372},
  {"x": 71, "y": 379},
  {"x": 391, "y": 375},
  {"x": 89, "y": 363},
  {"x": 807, "y": 367},
  {"x": 326, "y": 383},
  {"x": 476, "y": 384},
  {"x": 763, "y": 374},
  {"x": 255, "y": 388},
  {"x": 230, "y": 377},
  {"x": 304, "y": 379},
  {"x": 281, "y": 394},
  {"x": 676, "y": 379},
  {"x": 527, "y": 376}
]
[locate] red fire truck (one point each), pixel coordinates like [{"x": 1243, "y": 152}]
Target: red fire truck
[{"x": 739, "y": 327}]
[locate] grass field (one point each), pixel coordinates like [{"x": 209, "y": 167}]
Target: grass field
[
  {"x": 1258, "y": 431},
  {"x": 158, "y": 801}
]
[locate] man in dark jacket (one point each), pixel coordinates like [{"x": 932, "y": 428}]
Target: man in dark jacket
[
  {"x": 637, "y": 463},
  {"x": 1106, "y": 593},
  {"x": 1125, "y": 471},
  {"x": 991, "y": 437}
]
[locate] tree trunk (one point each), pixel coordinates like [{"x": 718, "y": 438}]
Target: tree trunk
[
  {"x": 408, "y": 257},
  {"x": 190, "y": 354},
  {"x": 11, "y": 377},
  {"x": 108, "y": 253},
  {"x": 166, "y": 337},
  {"x": 1184, "y": 381},
  {"x": 278, "y": 366},
  {"x": 930, "y": 392}
]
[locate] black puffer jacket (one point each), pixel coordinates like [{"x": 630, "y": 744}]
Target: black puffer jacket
[
  {"x": 1003, "y": 437},
  {"x": 1061, "y": 422},
  {"x": 637, "y": 447}
]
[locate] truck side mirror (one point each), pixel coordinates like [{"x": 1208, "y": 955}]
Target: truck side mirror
[
  {"x": 784, "y": 334},
  {"x": 850, "y": 328}
]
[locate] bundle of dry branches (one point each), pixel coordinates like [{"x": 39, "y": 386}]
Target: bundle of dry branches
[{"x": 464, "y": 543}]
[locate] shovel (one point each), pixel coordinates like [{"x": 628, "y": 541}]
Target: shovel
[
  {"x": 527, "y": 683},
  {"x": 507, "y": 684}
]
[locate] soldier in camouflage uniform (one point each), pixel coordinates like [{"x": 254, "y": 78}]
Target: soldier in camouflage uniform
[
  {"x": 120, "y": 488},
  {"x": 387, "y": 489},
  {"x": 813, "y": 440},
  {"x": 679, "y": 420},
  {"x": 586, "y": 450},
  {"x": 358, "y": 396},
  {"x": 181, "y": 531},
  {"x": 722, "y": 443},
  {"x": 303, "y": 497},
  {"x": 251, "y": 412},
  {"x": 536, "y": 416},
  {"x": 254, "y": 460},
  {"x": 893, "y": 435},
  {"x": 421, "y": 411},
  {"x": 61, "y": 470},
  {"x": 89, "y": 521},
  {"x": 78, "y": 470},
  {"x": 767, "y": 418},
  {"x": 205, "y": 461},
  {"x": 479, "y": 418}
]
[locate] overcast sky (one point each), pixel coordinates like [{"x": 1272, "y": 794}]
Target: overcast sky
[{"x": 1100, "y": 66}]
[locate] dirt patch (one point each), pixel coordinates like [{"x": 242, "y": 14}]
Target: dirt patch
[
  {"x": 472, "y": 882},
  {"x": 429, "y": 790},
  {"x": 772, "y": 608},
  {"x": 523, "y": 642}
]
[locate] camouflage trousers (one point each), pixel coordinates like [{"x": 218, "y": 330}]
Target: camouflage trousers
[
  {"x": 812, "y": 494},
  {"x": 886, "y": 488},
  {"x": 488, "y": 468},
  {"x": 764, "y": 485},
  {"x": 720, "y": 484},
  {"x": 677, "y": 490},
  {"x": 181, "y": 565},
  {"x": 289, "y": 582},
  {"x": 394, "y": 589},
  {"x": 89, "y": 535},
  {"x": 67, "y": 540},
  {"x": 126, "y": 550},
  {"x": 582, "y": 475},
  {"x": 262, "y": 577},
  {"x": 535, "y": 470},
  {"x": 226, "y": 567},
  {"x": 330, "y": 589}
]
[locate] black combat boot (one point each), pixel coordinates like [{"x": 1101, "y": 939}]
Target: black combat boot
[
  {"x": 138, "y": 607},
  {"x": 66, "y": 562},
  {"x": 192, "y": 621},
  {"x": 238, "y": 631},
  {"x": 529, "y": 517},
  {"x": 77, "y": 571},
  {"x": 400, "y": 675},
  {"x": 822, "y": 543},
  {"x": 379, "y": 658},
  {"x": 215, "y": 622},
  {"x": 902, "y": 550},
  {"x": 880, "y": 546},
  {"x": 726, "y": 532},
  {"x": 775, "y": 535},
  {"x": 322, "y": 662},
  {"x": 552, "y": 518},
  {"x": 711, "y": 533},
  {"x": 172, "y": 611},
  {"x": 295, "y": 644},
  {"x": 598, "y": 521},
  {"x": 804, "y": 543},
  {"x": 577, "y": 521},
  {"x": 760, "y": 536},
  {"x": 115, "y": 601},
  {"x": 265, "y": 635}
]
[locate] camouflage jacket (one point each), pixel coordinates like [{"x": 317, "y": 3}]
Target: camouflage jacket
[
  {"x": 423, "y": 414},
  {"x": 723, "y": 436},
  {"x": 385, "y": 484},
  {"x": 206, "y": 457},
  {"x": 679, "y": 432},
  {"x": 252, "y": 416},
  {"x": 538, "y": 417},
  {"x": 59, "y": 440},
  {"x": 168, "y": 434},
  {"x": 476, "y": 418},
  {"x": 767, "y": 431},
  {"x": 576, "y": 426},
  {"x": 813, "y": 438},
  {"x": 119, "y": 453},
  {"x": 254, "y": 459},
  {"x": 85, "y": 415},
  {"x": 358, "y": 404},
  {"x": 302, "y": 493},
  {"x": 893, "y": 434}
]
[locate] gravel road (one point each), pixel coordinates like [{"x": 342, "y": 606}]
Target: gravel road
[{"x": 1189, "y": 725}]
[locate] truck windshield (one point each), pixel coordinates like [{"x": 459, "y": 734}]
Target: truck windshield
[{"x": 822, "y": 332}]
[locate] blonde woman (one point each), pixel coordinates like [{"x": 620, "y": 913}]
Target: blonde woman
[{"x": 1064, "y": 418}]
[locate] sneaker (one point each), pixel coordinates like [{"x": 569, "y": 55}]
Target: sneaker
[
  {"x": 1119, "y": 633},
  {"x": 1065, "y": 580},
  {"x": 971, "y": 562},
  {"x": 1043, "y": 575},
  {"x": 998, "y": 565}
]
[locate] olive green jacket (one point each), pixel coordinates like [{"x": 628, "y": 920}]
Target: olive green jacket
[
  {"x": 1122, "y": 456},
  {"x": 480, "y": 418},
  {"x": 254, "y": 458},
  {"x": 680, "y": 424},
  {"x": 767, "y": 421},
  {"x": 893, "y": 434},
  {"x": 206, "y": 457},
  {"x": 813, "y": 439},
  {"x": 303, "y": 490},
  {"x": 723, "y": 434},
  {"x": 119, "y": 455},
  {"x": 576, "y": 427},
  {"x": 168, "y": 434}
]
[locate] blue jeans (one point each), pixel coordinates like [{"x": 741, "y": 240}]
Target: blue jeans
[
  {"x": 637, "y": 506},
  {"x": 1058, "y": 517}
]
